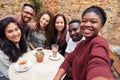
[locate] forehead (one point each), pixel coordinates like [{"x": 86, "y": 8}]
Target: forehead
[
  {"x": 11, "y": 26},
  {"x": 60, "y": 18},
  {"x": 28, "y": 8},
  {"x": 74, "y": 25},
  {"x": 93, "y": 15},
  {"x": 45, "y": 16}
]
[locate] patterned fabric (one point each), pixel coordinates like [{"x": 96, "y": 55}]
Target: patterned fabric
[{"x": 37, "y": 38}]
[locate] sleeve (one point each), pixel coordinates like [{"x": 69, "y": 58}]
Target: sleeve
[
  {"x": 68, "y": 61},
  {"x": 99, "y": 60},
  {"x": 29, "y": 37},
  {"x": 4, "y": 59},
  {"x": 4, "y": 64},
  {"x": 68, "y": 47}
]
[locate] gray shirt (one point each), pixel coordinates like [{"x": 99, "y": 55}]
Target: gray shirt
[{"x": 4, "y": 64}]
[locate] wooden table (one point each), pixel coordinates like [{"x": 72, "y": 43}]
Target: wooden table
[
  {"x": 45, "y": 70},
  {"x": 116, "y": 63}
]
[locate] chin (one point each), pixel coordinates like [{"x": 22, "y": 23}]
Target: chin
[{"x": 75, "y": 40}]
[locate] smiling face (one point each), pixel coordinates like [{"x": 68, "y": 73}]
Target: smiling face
[
  {"x": 44, "y": 20},
  {"x": 90, "y": 25},
  {"x": 27, "y": 14},
  {"x": 59, "y": 23},
  {"x": 74, "y": 31},
  {"x": 13, "y": 33}
]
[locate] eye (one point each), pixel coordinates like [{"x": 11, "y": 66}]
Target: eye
[
  {"x": 47, "y": 21},
  {"x": 75, "y": 29},
  {"x": 10, "y": 31},
  {"x": 57, "y": 22},
  {"x": 83, "y": 20},
  {"x": 93, "y": 22},
  {"x": 16, "y": 29}
]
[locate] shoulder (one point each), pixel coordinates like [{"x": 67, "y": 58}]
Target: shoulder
[
  {"x": 3, "y": 55},
  {"x": 13, "y": 16},
  {"x": 99, "y": 42},
  {"x": 98, "y": 39}
]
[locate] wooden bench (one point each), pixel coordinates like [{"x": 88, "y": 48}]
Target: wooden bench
[{"x": 116, "y": 64}]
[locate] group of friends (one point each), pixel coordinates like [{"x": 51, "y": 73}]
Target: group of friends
[{"x": 86, "y": 53}]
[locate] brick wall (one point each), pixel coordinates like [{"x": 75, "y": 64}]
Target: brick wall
[{"x": 72, "y": 9}]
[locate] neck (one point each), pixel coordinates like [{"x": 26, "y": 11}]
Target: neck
[
  {"x": 43, "y": 30},
  {"x": 58, "y": 35}
]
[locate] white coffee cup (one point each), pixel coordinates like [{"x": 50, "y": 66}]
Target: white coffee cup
[{"x": 23, "y": 64}]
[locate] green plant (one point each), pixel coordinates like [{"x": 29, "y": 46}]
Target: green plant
[
  {"x": 38, "y": 6},
  {"x": 39, "y": 53}
]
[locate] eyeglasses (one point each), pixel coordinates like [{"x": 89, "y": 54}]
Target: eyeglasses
[{"x": 31, "y": 14}]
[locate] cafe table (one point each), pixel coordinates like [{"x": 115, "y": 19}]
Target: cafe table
[{"x": 45, "y": 70}]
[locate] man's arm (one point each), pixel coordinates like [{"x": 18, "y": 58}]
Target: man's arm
[{"x": 31, "y": 46}]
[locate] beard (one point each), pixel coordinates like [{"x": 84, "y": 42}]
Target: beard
[{"x": 25, "y": 19}]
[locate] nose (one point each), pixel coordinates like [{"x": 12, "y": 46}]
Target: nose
[
  {"x": 59, "y": 24},
  {"x": 44, "y": 21},
  {"x": 88, "y": 24},
  {"x": 15, "y": 33},
  {"x": 28, "y": 15}
]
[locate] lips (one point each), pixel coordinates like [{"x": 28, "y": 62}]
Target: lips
[
  {"x": 74, "y": 37},
  {"x": 27, "y": 19},
  {"x": 16, "y": 37}
]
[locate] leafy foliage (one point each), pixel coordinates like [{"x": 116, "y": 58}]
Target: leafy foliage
[{"x": 38, "y": 6}]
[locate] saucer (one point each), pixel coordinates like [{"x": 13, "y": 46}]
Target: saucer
[
  {"x": 54, "y": 58},
  {"x": 18, "y": 69}
]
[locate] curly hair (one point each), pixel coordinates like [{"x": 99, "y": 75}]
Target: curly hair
[{"x": 49, "y": 28}]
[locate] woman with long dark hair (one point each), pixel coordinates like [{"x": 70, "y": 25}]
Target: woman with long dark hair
[
  {"x": 90, "y": 60},
  {"x": 43, "y": 34},
  {"x": 12, "y": 45},
  {"x": 60, "y": 32}
]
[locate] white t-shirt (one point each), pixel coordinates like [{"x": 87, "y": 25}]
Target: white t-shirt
[{"x": 71, "y": 45}]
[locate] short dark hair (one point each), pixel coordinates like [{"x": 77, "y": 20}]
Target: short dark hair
[
  {"x": 30, "y": 5},
  {"x": 74, "y": 21},
  {"x": 98, "y": 10}
]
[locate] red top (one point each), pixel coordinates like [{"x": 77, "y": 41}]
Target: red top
[{"x": 89, "y": 59}]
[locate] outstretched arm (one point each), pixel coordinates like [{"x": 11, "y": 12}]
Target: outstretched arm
[
  {"x": 59, "y": 74},
  {"x": 31, "y": 46}
]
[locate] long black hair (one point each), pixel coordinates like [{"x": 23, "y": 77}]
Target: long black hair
[{"x": 8, "y": 47}]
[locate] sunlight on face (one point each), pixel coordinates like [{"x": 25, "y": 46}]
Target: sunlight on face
[
  {"x": 44, "y": 20},
  {"x": 13, "y": 33},
  {"x": 91, "y": 24}
]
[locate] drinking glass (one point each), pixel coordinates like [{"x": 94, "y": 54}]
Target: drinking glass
[{"x": 55, "y": 48}]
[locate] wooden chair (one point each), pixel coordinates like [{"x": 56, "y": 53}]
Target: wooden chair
[{"x": 116, "y": 64}]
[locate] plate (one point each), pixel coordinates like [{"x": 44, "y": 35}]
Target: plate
[
  {"x": 54, "y": 58},
  {"x": 18, "y": 69}
]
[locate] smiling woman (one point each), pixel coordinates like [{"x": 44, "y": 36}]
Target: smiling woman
[
  {"x": 92, "y": 54},
  {"x": 13, "y": 33},
  {"x": 12, "y": 45}
]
